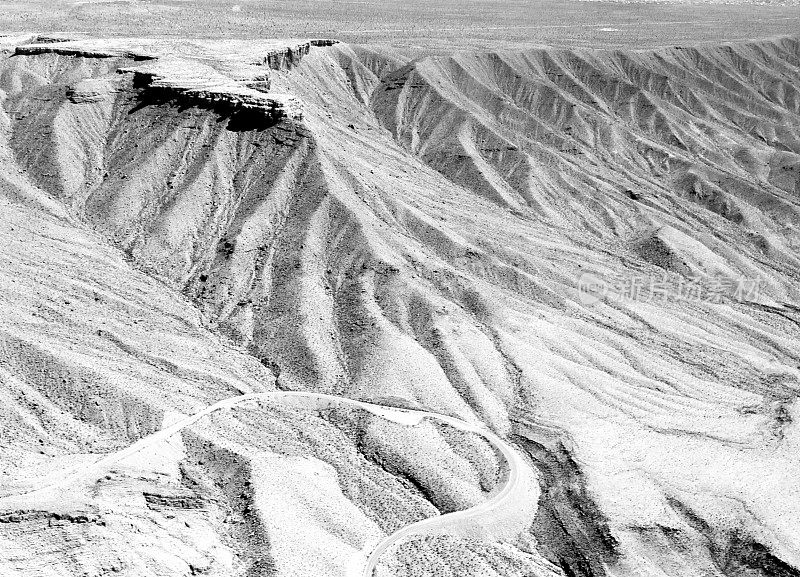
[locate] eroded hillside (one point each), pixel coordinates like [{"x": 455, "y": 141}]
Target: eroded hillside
[{"x": 383, "y": 228}]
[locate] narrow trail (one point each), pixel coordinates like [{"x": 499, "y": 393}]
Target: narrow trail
[{"x": 479, "y": 519}]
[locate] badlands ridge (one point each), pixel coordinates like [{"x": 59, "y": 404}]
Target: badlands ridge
[{"x": 183, "y": 222}]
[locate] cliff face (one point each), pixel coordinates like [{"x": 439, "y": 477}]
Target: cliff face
[
  {"x": 420, "y": 232},
  {"x": 233, "y": 81}
]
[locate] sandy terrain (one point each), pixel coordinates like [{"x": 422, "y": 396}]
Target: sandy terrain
[
  {"x": 410, "y": 24},
  {"x": 184, "y": 221}
]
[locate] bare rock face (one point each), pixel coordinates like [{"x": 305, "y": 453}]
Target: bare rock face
[
  {"x": 236, "y": 82},
  {"x": 184, "y": 222},
  {"x": 89, "y": 91}
]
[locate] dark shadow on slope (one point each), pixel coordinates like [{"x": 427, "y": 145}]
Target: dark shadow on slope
[
  {"x": 736, "y": 554},
  {"x": 571, "y": 529},
  {"x": 223, "y": 476},
  {"x": 239, "y": 118},
  {"x": 745, "y": 557}
]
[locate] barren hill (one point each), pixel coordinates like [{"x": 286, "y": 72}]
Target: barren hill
[{"x": 183, "y": 221}]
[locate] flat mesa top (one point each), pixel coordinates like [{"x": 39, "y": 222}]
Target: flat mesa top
[
  {"x": 232, "y": 70},
  {"x": 211, "y": 49},
  {"x": 444, "y": 25}
]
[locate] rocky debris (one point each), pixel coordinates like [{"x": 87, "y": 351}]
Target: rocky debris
[
  {"x": 89, "y": 91},
  {"x": 734, "y": 552},
  {"x": 572, "y": 530},
  {"x": 179, "y": 72},
  {"x": 746, "y": 556},
  {"x": 226, "y": 97},
  {"x": 50, "y": 517},
  {"x": 226, "y": 479},
  {"x": 192, "y": 83},
  {"x": 292, "y": 55},
  {"x": 64, "y": 49},
  {"x": 174, "y": 500},
  {"x": 50, "y": 39}
]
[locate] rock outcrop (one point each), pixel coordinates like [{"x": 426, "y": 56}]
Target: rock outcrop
[{"x": 169, "y": 238}]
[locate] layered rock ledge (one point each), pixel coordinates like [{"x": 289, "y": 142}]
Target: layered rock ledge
[{"x": 229, "y": 75}]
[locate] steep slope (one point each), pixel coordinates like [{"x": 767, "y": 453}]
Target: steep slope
[
  {"x": 97, "y": 354},
  {"x": 421, "y": 233}
]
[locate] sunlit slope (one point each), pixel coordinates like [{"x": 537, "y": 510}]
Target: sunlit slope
[
  {"x": 420, "y": 232},
  {"x": 617, "y": 164},
  {"x": 718, "y": 127},
  {"x": 97, "y": 355}
]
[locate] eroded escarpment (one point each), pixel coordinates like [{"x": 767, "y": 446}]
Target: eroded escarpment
[
  {"x": 715, "y": 126},
  {"x": 419, "y": 234},
  {"x": 233, "y": 81}
]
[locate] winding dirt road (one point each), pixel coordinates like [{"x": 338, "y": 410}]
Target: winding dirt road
[{"x": 489, "y": 519}]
